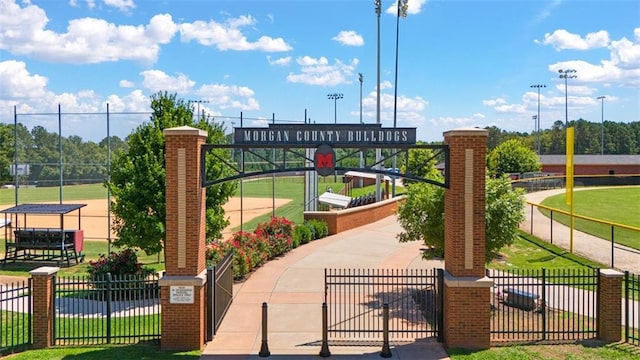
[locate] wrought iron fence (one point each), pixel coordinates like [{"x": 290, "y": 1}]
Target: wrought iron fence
[
  {"x": 219, "y": 293},
  {"x": 631, "y": 308},
  {"x": 106, "y": 310},
  {"x": 15, "y": 317},
  {"x": 535, "y": 305},
  {"x": 355, "y": 299}
]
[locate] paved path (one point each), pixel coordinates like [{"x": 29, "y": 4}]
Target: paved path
[
  {"x": 589, "y": 246},
  {"x": 293, "y": 287}
]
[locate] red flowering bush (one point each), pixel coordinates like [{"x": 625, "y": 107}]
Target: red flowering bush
[
  {"x": 252, "y": 249},
  {"x": 117, "y": 264}
]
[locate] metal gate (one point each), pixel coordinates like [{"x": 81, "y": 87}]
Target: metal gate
[
  {"x": 219, "y": 293},
  {"x": 355, "y": 299}
]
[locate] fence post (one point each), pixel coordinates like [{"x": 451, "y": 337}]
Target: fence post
[
  {"x": 210, "y": 302},
  {"x": 609, "y": 316},
  {"x": 107, "y": 279},
  {"x": 386, "y": 351},
  {"x": 324, "y": 351},
  {"x": 264, "y": 348},
  {"x": 43, "y": 306}
]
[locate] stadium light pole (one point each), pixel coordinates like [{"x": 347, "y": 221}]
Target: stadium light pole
[
  {"x": 361, "y": 79},
  {"x": 401, "y": 12},
  {"x": 335, "y": 97},
  {"x": 566, "y": 74},
  {"x": 602, "y": 122},
  {"x": 537, "y": 127},
  {"x": 378, "y": 10},
  {"x": 198, "y": 102}
]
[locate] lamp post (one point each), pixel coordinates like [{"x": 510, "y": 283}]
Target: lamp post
[
  {"x": 566, "y": 74},
  {"x": 602, "y": 128},
  {"x": 402, "y": 12},
  {"x": 335, "y": 97},
  {"x": 361, "y": 79},
  {"x": 199, "y": 102},
  {"x": 378, "y": 9},
  {"x": 537, "y": 126}
]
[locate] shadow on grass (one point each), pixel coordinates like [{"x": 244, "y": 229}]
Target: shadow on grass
[
  {"x": 558, "y": 252},
  {"x": 103, "y": 352}
]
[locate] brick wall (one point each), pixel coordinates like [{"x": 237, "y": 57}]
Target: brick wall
[{"x": 347, "y": 219}]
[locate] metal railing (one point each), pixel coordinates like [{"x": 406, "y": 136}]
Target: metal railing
[
  {"x": 536, "y": 305},
  {"x": 554, "y": 221},
  {"x": 631, "y": 311},
  {"x": 106, "y": 310},
  {"x": 355, "y": 299},
  {"x": 219, "y": 293},
  {"x": 16, "y": 332}
]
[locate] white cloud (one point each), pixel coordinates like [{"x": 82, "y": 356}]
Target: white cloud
[
  {"x": 228, "y": 36},
  {"x": 494, "y": 102},
  {"x": 561, "y": 39},
  {"x": 18, "y": 84},
  {"x": 126, "y": 84},
  {"x": 87, "y": 40},
  {"x": 122, "y": 5},
  {"x": 280, "y": 61},
  {"x": 413, "y": 7},
  {"x": 227, "y": 97},
  {"x": 157, "y": 80},
  {"x": 318, "y": 71},
  {"x": 349, "y": 38}
]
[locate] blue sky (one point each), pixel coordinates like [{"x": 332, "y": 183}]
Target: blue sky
[{"x": 460, "y": 63}]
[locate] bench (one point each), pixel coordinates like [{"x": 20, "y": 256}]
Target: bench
[
  {"x": 44, "y": 244},
  {"x": 521, "y": 299}
]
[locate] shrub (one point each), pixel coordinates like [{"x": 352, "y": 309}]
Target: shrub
[
  {"x": 124, "y": 263},
  {"x": 278, "y": 231},
  {"x": 319, "y": 228},
  {"x": 301, "y": 234}
]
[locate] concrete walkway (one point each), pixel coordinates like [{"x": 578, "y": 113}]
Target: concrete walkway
[
  {"x": 589, "y": 246},
  {"x": 293, "y": 287}
]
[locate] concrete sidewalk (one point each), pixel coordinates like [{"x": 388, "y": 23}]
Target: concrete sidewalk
[
  {"x": 589, "y": 246},
  {"x": 293, "y": 288}
]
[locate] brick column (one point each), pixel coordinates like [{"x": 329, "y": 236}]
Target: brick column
[
  {"x": 467, "y": 292},
  {"x": 182, "y": 286},
  {"x": 43, "y": 306},
  {"x": 610, "y": 305}
]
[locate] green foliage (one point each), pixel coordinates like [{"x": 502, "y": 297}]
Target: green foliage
[
  {"x": 420, "y": 163},
  {"x": 422, "y": 216},
  {"x": 124, "y": 263},
  {"x": 138, "y": 178},
  {"x": 319, "y": 228},
  {"x": 270, "y": 240},
  {"x": 301, "y": 234},
  {"x": 512, "y": 156}
]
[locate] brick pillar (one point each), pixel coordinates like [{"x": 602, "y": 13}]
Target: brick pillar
[
  {"x": 183, "y": 284},
  {"x": 467, "y": 291},
  {"x": 609, "y": 305},
  {"x": 43, "y": 306}
]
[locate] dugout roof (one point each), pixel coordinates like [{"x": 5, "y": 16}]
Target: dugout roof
[{"x": 43, "y": 209}]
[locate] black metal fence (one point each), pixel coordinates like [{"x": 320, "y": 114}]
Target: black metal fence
[
  {"x": 537, "y": 305},
  {"x": 355, "y": 299},
  {"x": 106, "y": 310},
  {"x": 15, "y": 317},
  {"x": 632, "y": 308},
  {"x": 219, "y": 293}
]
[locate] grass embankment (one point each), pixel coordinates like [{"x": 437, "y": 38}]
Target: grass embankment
[{"x": 613, "y": 205}]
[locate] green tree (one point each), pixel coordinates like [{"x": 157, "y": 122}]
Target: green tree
[
  {"x": 420, "y": 163},
  {"x": 422, "y": 216},
  {"x": 512, "y": 156},
  {"x": 138, "y": 178}
]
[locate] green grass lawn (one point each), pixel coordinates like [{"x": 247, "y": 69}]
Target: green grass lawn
[
  {"x": 52, "y": 194},
  {"x": 616, "y": 205}
]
